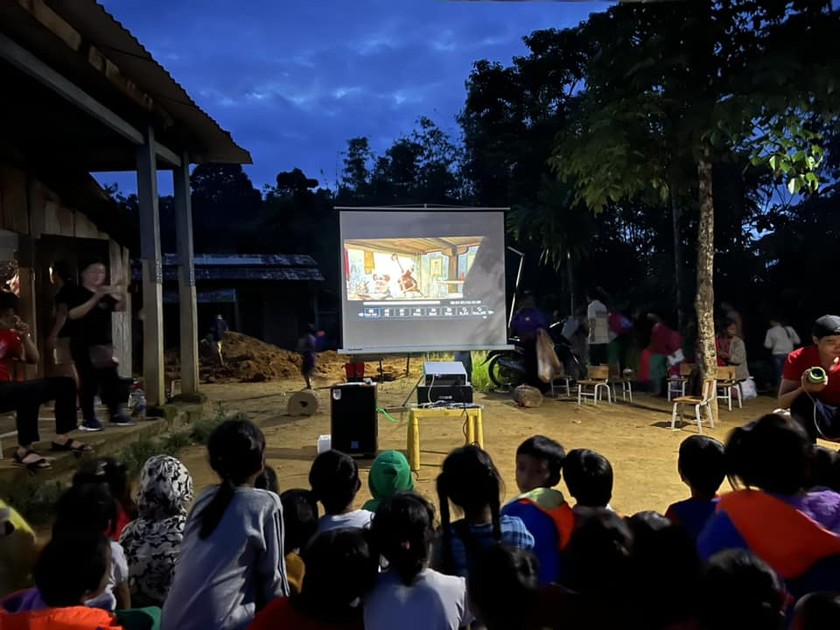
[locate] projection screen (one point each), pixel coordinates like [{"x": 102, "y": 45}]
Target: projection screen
[{"x": 422, "y": 280}]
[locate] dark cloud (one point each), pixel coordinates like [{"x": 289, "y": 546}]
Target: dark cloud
[{"x": 293, "y": 81}]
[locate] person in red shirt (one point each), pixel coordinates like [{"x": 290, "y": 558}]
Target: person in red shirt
[
  {"x": 816, "y": 406},
  {"x": 26, "y": 397}
]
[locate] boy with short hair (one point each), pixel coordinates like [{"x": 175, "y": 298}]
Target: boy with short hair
[
  {"x": 701, "y": 467},
  {"x": 539, "y": 462},
  {"x": 589, "y": 478},
  {"x": 70, "y": 571}
]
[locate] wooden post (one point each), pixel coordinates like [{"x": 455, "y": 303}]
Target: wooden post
[
  {"x": 147, "y": 193},
  {"x": 186, "y": 278}
]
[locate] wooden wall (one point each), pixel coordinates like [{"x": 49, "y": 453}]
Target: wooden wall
[{"x": 30, "y": 209}]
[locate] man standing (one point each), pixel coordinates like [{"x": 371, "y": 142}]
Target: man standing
[
  {"x": 599, "y": 332},
  {"x": 218, "y": 330}
]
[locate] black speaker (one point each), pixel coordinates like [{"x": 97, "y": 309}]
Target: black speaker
[{"x": 354, "y": 423}]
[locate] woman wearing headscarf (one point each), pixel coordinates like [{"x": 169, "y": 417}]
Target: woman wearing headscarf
[{"x": 152, "y": 542}]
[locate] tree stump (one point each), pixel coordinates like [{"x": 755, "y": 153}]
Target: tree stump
[
  {"x": 527, "y": 396},
  {"x": 304, "y": 403}
]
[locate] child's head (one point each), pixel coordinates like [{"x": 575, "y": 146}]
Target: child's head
[
  {"x": 502, "y": 588},
  {"x": 334, "y": 478},
  {"x": 817, "y": 611},
  {"x": 267, "y": 480},
  {"x": 390, "y": 473},
  {"x": 402, "y": 532},
  {"x": 822, "y": 472},
  {"x": 73, "y": 569},
  {"x": 110, "y": 471},
  {"x": 300, "y": 517},
  {"x": 738, "y": 590},
  {"x": 589, "y": 477},
  {"x": 701, "y": 465},
  {"x": 166, "y": 488},
  {"x": 771, "y": 453},
  {"x": 237, "y": 454},
  {"x": 599, "y": 554},
  {"x": 666, "y": 569},
  {"x": 469, "y": 480},
  {"x": 539, "y": 462},
  {"x": 85, "y": 510},
  {"x": 340, "y": 568}
]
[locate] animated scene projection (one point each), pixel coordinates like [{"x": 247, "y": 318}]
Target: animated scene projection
[{"x": 408, "y": 268}]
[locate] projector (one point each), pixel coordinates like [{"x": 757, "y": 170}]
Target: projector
[{"x": 445, "y": 374}]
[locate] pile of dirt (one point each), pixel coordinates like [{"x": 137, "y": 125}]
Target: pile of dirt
[{"x": 249, "y": 360}]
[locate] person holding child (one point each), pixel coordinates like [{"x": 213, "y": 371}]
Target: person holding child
[{"x": 231, "y": 563}]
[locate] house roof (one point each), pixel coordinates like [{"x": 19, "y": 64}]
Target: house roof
[
  {"x": 88, "y": 46},
  {"x": 253, "y": 267}
]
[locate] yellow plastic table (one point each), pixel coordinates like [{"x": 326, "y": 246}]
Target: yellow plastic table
[{"x": 472, "y": 415}]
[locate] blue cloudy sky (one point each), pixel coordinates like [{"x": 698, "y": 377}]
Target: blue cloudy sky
[{"x": 294, "y": 79}]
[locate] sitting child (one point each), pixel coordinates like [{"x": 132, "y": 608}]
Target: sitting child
[
  {"x": 113, "y": 473},
  {"x": 503, "y": 588},
  {"x": 817, "y": 611},
  {"x": 267, "y": 480},
  {"x": 340, "y": 568},
  {"x": 334, "y": 478},
  {"x": 70, "y": 571},
  {"x": 701, "y": 467},
  {"x": 402, "y": 533},
  {"x": 300, "y": 520},
  {"x": 231, "y": 562},
  {"x": 469, "y": 480},
  {"x": 90, "y": 510},
  {"x": 539, "y": 461},
  {"x": 739, "y": 591},
  {"x": 389, "y": 473},
  {"x": 152, "y": 542},
  {"x": 589, "y": 478},
  {"x": 793, "y": 530}
]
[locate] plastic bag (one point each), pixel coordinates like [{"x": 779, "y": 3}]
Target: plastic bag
[
  {"x": 748, "y": 389},
  {"x": 548, "y": 365}
]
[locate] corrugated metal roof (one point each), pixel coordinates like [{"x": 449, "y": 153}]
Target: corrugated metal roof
[
  {"x": 100, "y": 28},
  {"x": 244, "y": 260}
]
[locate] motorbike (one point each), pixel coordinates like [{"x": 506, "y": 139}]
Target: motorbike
[{"x": 506, "y": 368}]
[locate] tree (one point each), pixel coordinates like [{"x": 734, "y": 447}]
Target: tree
[
  {"x": 224, "y": 203},
  {"x": 703, "y": 83}
]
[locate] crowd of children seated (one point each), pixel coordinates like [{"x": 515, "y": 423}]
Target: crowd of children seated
[{"x": 245, "y": 555}]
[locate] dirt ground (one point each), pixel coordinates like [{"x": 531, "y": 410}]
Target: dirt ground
[{"x": 637, "y": 439}]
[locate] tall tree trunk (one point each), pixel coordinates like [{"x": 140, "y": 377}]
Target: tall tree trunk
[
  {"x": 676, "y": 218},
  {"x": 705, "y": 301}
]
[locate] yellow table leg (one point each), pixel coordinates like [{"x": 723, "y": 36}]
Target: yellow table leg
[
  {"x": 413, "y": 441},
  {"x": 479, "y": 427},
  {"x": 470, "y": 437}
]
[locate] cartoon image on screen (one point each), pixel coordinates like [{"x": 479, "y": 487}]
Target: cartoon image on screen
[{"x": 408, "y": 268}]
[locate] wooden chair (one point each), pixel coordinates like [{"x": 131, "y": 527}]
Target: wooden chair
[
  {"x": 701, "y": 402},
  {"x": 598, "y": 379},
  {"x": 726, "y": 382},
  {"x": 564, "y": 381},
  {"x": 626, "y": 382},
  {"x": 677, "y": 384}
]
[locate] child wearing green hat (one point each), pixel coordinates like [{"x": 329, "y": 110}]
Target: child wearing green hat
[{"x": 389, "y": 474}]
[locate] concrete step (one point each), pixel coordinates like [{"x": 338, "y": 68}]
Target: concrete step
[{"x": 107, "y": 442}]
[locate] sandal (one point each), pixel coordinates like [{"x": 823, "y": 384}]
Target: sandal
[
  {"x": 40, "y": 463},
  {"x": 73, "y": 446}
]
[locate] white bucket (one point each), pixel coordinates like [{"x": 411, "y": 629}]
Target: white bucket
[{"x": 324, "y": 443}]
